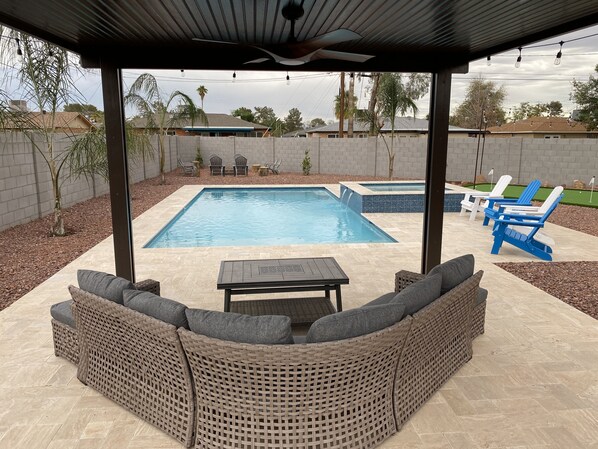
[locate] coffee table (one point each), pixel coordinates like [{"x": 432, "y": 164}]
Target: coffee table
[{"x": 263, "y": 276}]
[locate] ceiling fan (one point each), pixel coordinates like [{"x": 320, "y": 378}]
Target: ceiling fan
[{"x": 294, "y": 52}]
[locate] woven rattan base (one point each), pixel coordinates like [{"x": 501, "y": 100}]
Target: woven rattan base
[
  {"x": 66, "y": 343},
  {"x": 300, "y": 310},
  {"x": 478, "y": 318}
]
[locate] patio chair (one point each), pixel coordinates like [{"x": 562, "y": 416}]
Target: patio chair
[
  {"x": 216, "y": 167},
  {"x": 523, "y": 232},
  {"x": 554, "y": 196},
  {"x": 241, "y": 165},
  {"x": 188, "y": 167},
  {"x": 525, "y": 199},
  {"x": 275, "y": 166},
  {"x": 476, "y": 202}
]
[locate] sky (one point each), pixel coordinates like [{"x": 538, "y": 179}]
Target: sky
[{"x": 537, "y": 80}]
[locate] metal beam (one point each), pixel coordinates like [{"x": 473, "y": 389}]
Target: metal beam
[
  {"x": 440, "y": 99},
  {"x": 120, "y": 199}
]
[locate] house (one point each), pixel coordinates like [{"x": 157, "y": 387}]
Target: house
[
  {"x": 219, "y": 125},
  {"x": 543, "y": 128},
  {"x": 60, "y": 122},
  {"x": 404, "y": 127}
]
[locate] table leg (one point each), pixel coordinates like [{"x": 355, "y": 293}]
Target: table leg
[
  {"x": 339, "y": 300},
  {"x": 227, "y": 300}
]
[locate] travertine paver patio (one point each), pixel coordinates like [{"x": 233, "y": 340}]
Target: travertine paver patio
[{"x": 532, "y": 382}]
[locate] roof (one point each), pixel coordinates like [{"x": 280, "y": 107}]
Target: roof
[
  {"x": 427, "y": 34},
  {"x": 62, "y": 120},
  {"x": 544, "y": 125},
  {"x": 216, "y": 122},
  {"x": 403, "y": 124}
]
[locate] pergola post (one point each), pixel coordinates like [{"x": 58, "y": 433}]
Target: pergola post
[
  {"x": 440, "y": 98},
  {"x": 120, "y": 199}
]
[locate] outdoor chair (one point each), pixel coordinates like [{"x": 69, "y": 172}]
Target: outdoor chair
[
  {"x": 216, "y": 167},
  {"x": 476, "y": 202},
  {"x": 188, "y": 167},
  {"x": 274, "y": 167},
  {"x": 525, "y": 199},
  {"x": 240, "y": 165},
  {"x": 523, "y": 231}
]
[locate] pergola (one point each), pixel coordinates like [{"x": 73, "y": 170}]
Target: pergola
[{"x": 436, "y": 36}]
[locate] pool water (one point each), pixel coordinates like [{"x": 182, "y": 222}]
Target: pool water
[{"x": 266, "y": 216}]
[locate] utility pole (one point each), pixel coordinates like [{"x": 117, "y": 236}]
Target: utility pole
[
  {"x": 341, "y": 114},
  {"x": 350, "y": 105}
]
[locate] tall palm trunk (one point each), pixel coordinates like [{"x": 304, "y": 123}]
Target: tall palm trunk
[
  {"x": 162, "y": 153},
  {"x": 350, "y": 105},
  {"x": 57, "y": 228}
]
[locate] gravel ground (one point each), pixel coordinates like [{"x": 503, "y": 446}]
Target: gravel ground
[{"x": 30, "y": 255}]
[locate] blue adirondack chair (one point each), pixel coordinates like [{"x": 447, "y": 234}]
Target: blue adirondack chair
[
  {"x": 525, "y": 199},
  {"x": 522, "y": 231}
]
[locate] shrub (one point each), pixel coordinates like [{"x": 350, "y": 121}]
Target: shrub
[{"x": 306, "y": 164}]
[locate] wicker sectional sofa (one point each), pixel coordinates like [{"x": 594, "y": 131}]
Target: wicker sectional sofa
[{"x": 215, "y": 393}]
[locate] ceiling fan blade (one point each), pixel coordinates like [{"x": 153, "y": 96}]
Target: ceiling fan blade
[
  {"x": 334, "y": 37},
  {"x": 257, "y": 61},
  {"x": 340, "y": 55}
]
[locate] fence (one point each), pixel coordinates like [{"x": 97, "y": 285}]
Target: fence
[{"x": 26, "y": 190}]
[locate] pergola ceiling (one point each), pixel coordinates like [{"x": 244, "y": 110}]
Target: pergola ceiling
[{"x": 404, "y": 35}]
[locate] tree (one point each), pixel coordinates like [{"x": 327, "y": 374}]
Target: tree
[
  {"x": 349, "y": 111},
  {"x": 393, "y": 99},
  {"x": 265, "y": 116},
  {"x": 293, "y": 121},
  {"x": 146, "y": 96},
  {"x": 202, "y": 91},
  {"x": 483, "y": 101},
  {"x": 244, "y": 114},
  {"x": 45, "y": 78},
  {"x": 88, "y": 110},
  {"x": 585, "y": 96},
  {"x": 526, "y": 110},
  {"x": 317, "y": 122}
]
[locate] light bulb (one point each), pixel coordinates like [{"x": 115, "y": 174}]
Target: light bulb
[
  {"x": 518, "y": 63},
  {"x": 288, "y": 80},
  {"x": 488, "y": 62},
  {"x": 182, "y": 73},
  {"x": 234, "y": 76},
  {"x": 51, "y": 57},
  {"x": 557, "y": 60}
]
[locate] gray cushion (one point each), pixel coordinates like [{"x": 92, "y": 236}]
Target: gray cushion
[
  {"x": 265, "y": 329},
  {"x": 482, "y": 295},
  {"x": 103, "y": 284},
  {"x": 419, "y": 294},
  {"x": 354, "y": 322},
  {"x": 454, "y": 271},
  {"x": 63, "y": 312},
  {"x": 163, "y": 309},
  {"x": 381, "y": 300}
]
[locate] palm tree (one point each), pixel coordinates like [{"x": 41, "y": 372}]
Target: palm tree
[
  {"x": 145, "y": 95},
  {"x": 45, "y": 79},
  {"x": 393, "y": 100},
  {"x": 202, "y": 91}
]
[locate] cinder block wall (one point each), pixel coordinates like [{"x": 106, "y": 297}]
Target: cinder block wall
[{"x": 26, "y": 189}]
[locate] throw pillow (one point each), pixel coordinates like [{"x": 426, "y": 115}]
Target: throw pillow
[
  {"x": 454, "y": 271},
  {"x": 63, "y": 312},
  {"x": 419, "y": 294},
  {"x": 162, "y": 309},
  {"x": 381, "y": 300},
  {"x": 354, "y": 322},
  {"x": 263, "y": 330},
  {"x": 105, "y": 285}
]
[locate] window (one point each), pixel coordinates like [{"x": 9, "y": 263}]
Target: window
[
  {"x": 332, "y": 136},
  {"x": 552, "y": 136},
  {"x": 170, "y": 133}
]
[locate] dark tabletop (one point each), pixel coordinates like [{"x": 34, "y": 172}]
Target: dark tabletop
[{"x": 280, "y": 272}]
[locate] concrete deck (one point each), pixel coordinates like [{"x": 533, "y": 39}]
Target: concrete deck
[{"x": 532, "y": 382}]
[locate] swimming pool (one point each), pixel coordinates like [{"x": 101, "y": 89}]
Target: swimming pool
[
  {"x": 265, "y": 217},
  {"x": 395, "y": 187}
]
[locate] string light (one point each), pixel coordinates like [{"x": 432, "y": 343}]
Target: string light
[
  {"x": 19, "y": 51},
  {"x": 518, "y": 62},
  {"x": 488, "y": 62},
  {"x": 182, "y": 73},
  {"x": 234, "y": 76},
  {"x": 557, "y": 60},
  {"x": 288, "y": 79},
  {"x": 51, "y": 57}
]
